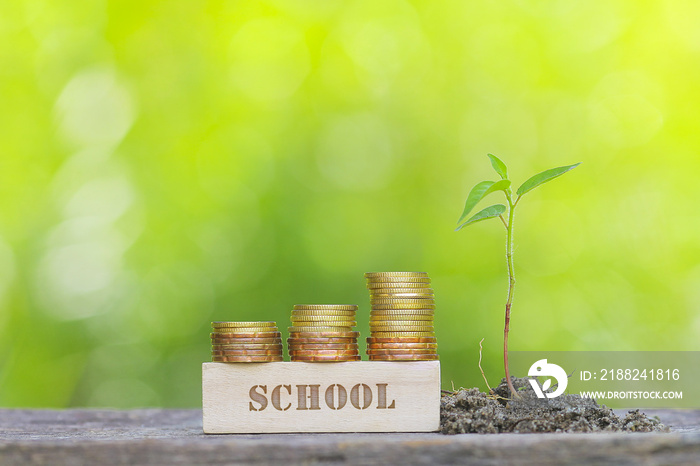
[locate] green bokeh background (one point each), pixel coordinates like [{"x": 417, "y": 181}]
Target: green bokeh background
[{"x": 169, "y": 163}]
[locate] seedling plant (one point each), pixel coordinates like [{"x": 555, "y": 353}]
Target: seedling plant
[{"x": 507, "y": 216}]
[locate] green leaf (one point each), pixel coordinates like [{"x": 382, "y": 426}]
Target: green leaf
[
  {"x": 499, "y": 166},
  {"x": 491, "y": 211},
  {"x": 543, "y": 177},
  {"x": 475, "y": 195},
  {"x": 501, "y": 185},
  {"x": 480, "y": 191}
]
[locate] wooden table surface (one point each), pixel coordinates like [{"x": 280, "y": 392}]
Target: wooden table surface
[{"x": 173, "y": 437}]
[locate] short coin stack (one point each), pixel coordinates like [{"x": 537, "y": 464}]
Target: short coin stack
[
  {"x": 245, "y": 342},
  {"x": 401, "y": 319},
  {"x": 323, "y": 333}
]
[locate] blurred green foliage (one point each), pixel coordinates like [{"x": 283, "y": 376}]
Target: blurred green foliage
[{"x": 169, "y": 163}]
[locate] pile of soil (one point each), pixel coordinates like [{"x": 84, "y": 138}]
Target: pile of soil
[{"x": 472, "y": 411}]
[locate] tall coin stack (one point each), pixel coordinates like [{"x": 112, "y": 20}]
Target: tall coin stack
[
  {"x": 401, "y": 319},
  {"x": 323, "y": 333},
  {"x": 246, "y": 342}
]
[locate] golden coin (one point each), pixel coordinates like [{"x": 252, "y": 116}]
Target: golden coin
[
  {"x": 313, "y": 319},
  {"x": 319, "y": 346},
  {"x": 244, "y": 341},
  {"x": 372, "y": 275},
  {"x": 309, "y": 324},
  {"x": 390, "y": 285},
  {"x": 229, "y": 344},
  {"x": 373, "y": 296},
  {"x": 403, "y": 331},
  {"x": 400, "y": 320},
  {"x": 398, "y": 289},
  {"x": 271, "y": 358},
  {"x": 380, "y": 351},
  {"x": 402, "y": 346},
  {"x": 325, "y": 323},
  {"x": 324, "y": 341},
  {"x": 383, "y": 321},
  {"x": 402, "y": 334},
  {"x": 324, "y": 329},
  {"x": 403, "y": 357},
  {"x": 246, "y": 335},
  {"x": 402, "y": 307},
  {"x": 330, "y": 352},
  {"x": 401, "y": 326},
  {"x": 319, "y": 330},
  {"x": 236, "y": 344},
  {"x": 267, "y": 323},
  {"x": 265, "y": 332},
  {"x": 402, "y": 312},
  {"x": 240, "y": 330},
  {"x": 401, "y": 288},
  {"x": 244, "y": 352},
  {"x": 229, "y": 333},
  {"x": 325, "y": 307},
  {"x": 248, "y": 346},
  {"x": 244, "y": 329},
  {"x": 321, "y": 327},
  {"x": 323, "y": 313},
  {"x": 400, "y": 280},
  {"x": 315, "y": 329},
  {"x": 325, "y": 358},
  {"x": 400, "y": 301},
  {"x": 401, "y": 339},
  {"x": 423, "y": 298},
  {"x": 317, "y": 318},
  {"x": 430, "y": 308},
  {"x": 329, "y": 313},
  {"x": 323, "y": 334}
]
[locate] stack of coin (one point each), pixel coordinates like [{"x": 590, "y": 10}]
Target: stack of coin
[
  {"x": 401, "y": 319},
  {"x": 246, "y": 342},
  {"x": 323, "y": 333}
]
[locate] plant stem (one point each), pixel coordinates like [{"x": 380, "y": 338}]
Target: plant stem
[
  {"x": 482, "y": 371},
  {"x": 511, "y": 288}
]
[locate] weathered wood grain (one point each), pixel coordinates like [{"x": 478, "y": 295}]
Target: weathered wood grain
[{"x": 174, "y": 437}]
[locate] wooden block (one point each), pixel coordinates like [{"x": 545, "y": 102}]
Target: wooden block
[{"x": 359, "y": 396}]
